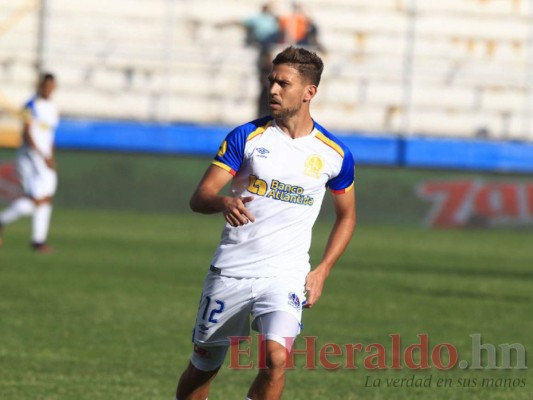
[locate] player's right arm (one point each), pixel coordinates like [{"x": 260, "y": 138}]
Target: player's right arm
[{"x": 206, "y": 199}]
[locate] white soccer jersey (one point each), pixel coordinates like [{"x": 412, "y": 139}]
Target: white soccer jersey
[
  {"x": 287, "y": 178},
  {"x": 42, "y": 116},
  {"x": 38, "y": 180}
]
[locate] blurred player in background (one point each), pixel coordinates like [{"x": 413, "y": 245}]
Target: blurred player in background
[
  {"x": 280, "y": 166},
  {"x": 36, "y": 165}
]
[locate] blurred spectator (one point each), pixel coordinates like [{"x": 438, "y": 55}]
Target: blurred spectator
[
  {"x": 297, "y": 28},
  {"x": 264, "y": 66},
  {"x": 263, "y": 32},
  {"x": 482, "y": 133},
  {"x": 262, "y": 29}
]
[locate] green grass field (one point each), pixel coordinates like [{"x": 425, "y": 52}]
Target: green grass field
[{"x": 109, "y": 315}]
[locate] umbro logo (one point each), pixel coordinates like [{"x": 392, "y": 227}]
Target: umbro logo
[{"x": 262, "y": 152}]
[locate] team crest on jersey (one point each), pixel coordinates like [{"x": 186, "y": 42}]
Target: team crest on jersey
[
  {"x": 222, "y": 149},
  {"x": 314, "y": 166},
  {"x": 294, "y": 300}
]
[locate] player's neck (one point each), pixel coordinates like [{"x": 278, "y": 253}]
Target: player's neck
[{"x": 296, "y": 126}]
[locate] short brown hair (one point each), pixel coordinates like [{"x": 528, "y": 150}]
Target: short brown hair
[
  {"x": 308, "y": 64},
  {"x": 46, "y": 76}
]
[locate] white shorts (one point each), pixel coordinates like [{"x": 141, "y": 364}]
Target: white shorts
[
  {"x": 227, "y": 304},
  {"x": 38, "y": 180}
]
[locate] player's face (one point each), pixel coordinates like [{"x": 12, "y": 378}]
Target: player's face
[
  {"x": 288, "y": 91},
  {"x": 47, "y": 87}
]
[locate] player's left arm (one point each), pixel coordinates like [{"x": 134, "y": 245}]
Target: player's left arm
[
  {"x": 51, "y": 161},
  {"x": 338, "y": 240},
  {"x": 27, "y": 137}
]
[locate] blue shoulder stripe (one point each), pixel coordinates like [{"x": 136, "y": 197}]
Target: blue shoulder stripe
[
  {"x": 231, "y": 152},
  {"x": 30, "y": 105},
  {"x": 344, "y": 180}
]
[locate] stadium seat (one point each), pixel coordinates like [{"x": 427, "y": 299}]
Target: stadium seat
[{"x": 170, "y": 60}]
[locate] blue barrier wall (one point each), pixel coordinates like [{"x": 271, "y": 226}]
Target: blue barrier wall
[
  {"x": 469, "y": 154},
  {"x": 140, "y": 137},
  {"x": 368, "y": 149}
]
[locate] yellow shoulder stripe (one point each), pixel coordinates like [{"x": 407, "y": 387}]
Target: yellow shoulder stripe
[
  {"x": 320, "y": 136},
  {"x": 224, "y": 167},
  {"x": 258, "y": 131},
  {"x": 342, "y": 191}
]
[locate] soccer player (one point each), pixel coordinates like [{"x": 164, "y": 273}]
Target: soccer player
[
  {"x": 35, "y": 164},
  {"x": 280, "y": 167}
]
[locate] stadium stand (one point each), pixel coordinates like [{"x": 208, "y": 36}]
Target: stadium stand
[{"x": 469, "y": 74}]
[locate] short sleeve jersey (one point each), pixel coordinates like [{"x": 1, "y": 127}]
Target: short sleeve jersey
[
  {"x": 287, "y": 179},
  {"x": 42, "y": 117}
]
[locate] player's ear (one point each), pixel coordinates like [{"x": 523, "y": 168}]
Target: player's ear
[{"x": 309, "y": 93}]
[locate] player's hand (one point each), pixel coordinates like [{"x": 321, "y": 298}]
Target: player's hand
[
  {"x": 235, "y": 212},
  {"x": 50, "y": 162},
  {"x": 314, "y": 283}
]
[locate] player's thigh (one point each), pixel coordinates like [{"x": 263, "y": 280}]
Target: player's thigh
[
  {"x": 45, "y": 183},
  {"x": 224, "y": 310},
  {"x": 38, "y": 181},
  {"x": 26, "y": 174},
  {"x": 284, "y": 298},
  {"x": 280, "y": 326}
]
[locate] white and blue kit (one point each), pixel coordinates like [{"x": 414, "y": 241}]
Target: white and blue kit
[
  {"x": 38, "y": 180},
  {"x": 261, "y": 267},
  {"x": 287, "y": 178}
]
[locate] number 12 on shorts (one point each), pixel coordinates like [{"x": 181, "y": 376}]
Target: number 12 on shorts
[{"x": 215, "y": 310}]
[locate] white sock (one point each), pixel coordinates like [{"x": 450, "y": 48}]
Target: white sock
[
  {"x": 22, "y": 207},
  {"x": 41, "y": 222}
]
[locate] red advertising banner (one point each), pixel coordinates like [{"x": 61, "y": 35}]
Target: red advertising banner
[
  {"x": 464, "y": 203},
  {"x": 9, "y": 183}
]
